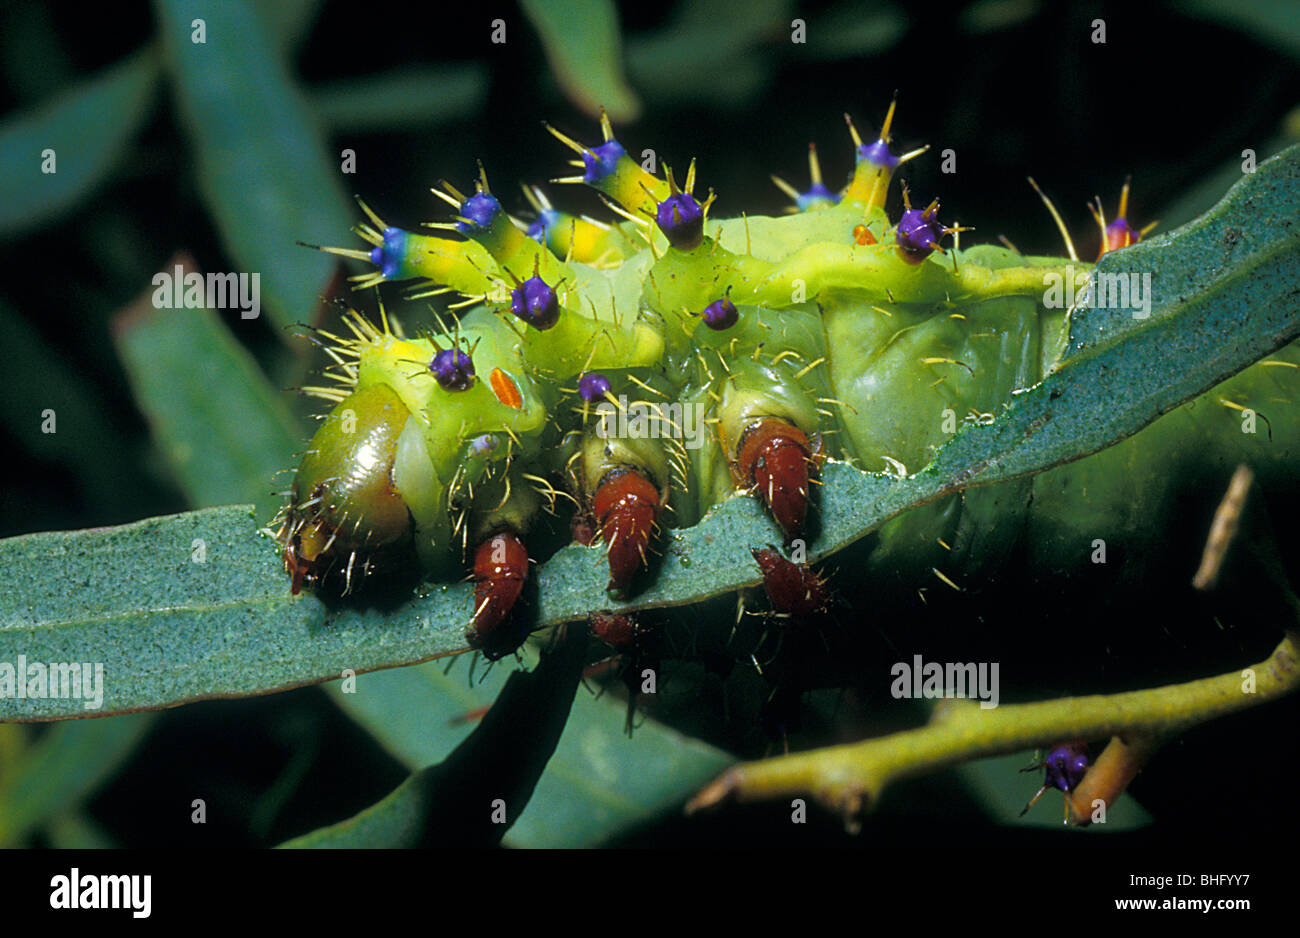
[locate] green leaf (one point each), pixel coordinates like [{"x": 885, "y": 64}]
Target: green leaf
[
  {"x": 40, "y": 380},
  {"x": 601, "y": 784},
  {"x": 584, "y": 45},
  {"x": 416, "y": 713},
  {"x": 474, "y": 796},
  {"x": 598, "y": 784},
  {"x": 404, "y": 98},
  {"x": 69, "y": 763},
  {"x": 291, "y": 20},
  {"x": 224, "y": 430},
  {"x": 175, "y": 630},
  {"x": 854, "y": 29},
  {"x": 263, "y": 166},
  {"x": 88, "y": 127},
  {"x": 192, "y": 606},
  {"x": 988, "y": 16},
  {"x": 1207, "y": 192},
  {"x": 692, "y": 60},
  {"x": 1271, "y": 22},
  {"x": 74, "y": 830},
  {"x": 33, "y": 55}
]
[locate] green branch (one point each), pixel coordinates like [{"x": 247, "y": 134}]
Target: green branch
[{"x": 851, "y": 779}]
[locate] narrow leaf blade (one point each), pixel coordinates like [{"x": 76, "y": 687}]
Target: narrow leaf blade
[
  {"x": 88, "y": 128},
  {"x": 224, "y": 430},
  {"x": 584, "y": 45},
  {"x": 261, "y": 159}
]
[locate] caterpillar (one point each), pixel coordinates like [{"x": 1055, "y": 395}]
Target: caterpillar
[{"x": 647, "y": 368}]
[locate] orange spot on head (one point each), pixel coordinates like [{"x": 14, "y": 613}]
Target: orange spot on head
[
  {"x": 862, "y": 234},
  {"x": 505, "y": 389}
]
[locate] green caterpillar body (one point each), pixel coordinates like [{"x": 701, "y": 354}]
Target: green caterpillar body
[{"x": 656, "y": 367}]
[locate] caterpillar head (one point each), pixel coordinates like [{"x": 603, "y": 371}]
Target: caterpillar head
[{"x": 347, "y": 506}]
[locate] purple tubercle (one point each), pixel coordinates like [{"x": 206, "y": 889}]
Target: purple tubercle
[
  {"x": 1119, "y": 234},
  {"x": 919, "y": 232},
  {"x": 681, "y": 219},
  {"x": 536, "y": 303},
  {"x": 453, "y": 369},
  {"x": 593, "y": 386},
  {"x": 721, "y": 314},
  {"x": 1066, "y": 766}
]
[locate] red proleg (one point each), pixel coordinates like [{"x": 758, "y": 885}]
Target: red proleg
[
  {"x": 795, "y": 590},
  {"x": 500, "y": 569},
  {"x": 774, "y": 457},
  {"x": 625, "y": 505}
]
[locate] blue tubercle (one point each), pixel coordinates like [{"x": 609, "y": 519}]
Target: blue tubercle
[
  {"x": 547, "y": 220},
  {"x": 878, "y": 154},
  {"x": 593, "y": 386},
  {"x": 602, "y": 161},
  {"x": 478, "y": 212},
  {"x": 388, "y": 256},
  {"x": 817, "y": 196}
]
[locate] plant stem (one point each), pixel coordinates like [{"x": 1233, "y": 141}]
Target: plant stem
[{"x": 850, "y": 779}]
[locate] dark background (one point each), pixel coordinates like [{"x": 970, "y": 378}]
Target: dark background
[{"x": 1172, "y": 98}]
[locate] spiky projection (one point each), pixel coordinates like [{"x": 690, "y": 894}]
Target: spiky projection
[{"x": 647, "y": 368}]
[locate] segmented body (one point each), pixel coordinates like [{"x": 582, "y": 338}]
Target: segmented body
[{"x": 658, "y": 366}]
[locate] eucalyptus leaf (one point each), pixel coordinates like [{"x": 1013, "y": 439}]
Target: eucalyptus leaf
[
  {"x": 225, "y": 431},
  {"x": 58, "y": 154},
  {"x": 475, "y": 795},
  {"x": 420, "y": 714},
  {"x": 1207, "y": 192},
  {"x": 988, "y": 16},
  {"x": 172, "y": 629},
  {"x": 30, "y": 37},
  {"x": 853, "y": 29},
  {"x": 602, "y": 784},
  {"x": 41, "y": 382},
  {"x": 584, "y": 45},
  {"x": 1271, "y": 22},
  {"x": 75, "y": 830},
  {"x": 262, "y": 162},
  {"x": 64, "y": 768},
  {"x": 599, "y": 783},
  {"x": 692, "y": 60},
  {"x": 403, "y": 99},
  {"x": 292, "y": 20},
  {"x": 190, "y": 606}
]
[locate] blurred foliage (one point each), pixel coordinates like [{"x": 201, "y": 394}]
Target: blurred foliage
[{"x": 230, "y": 151}]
